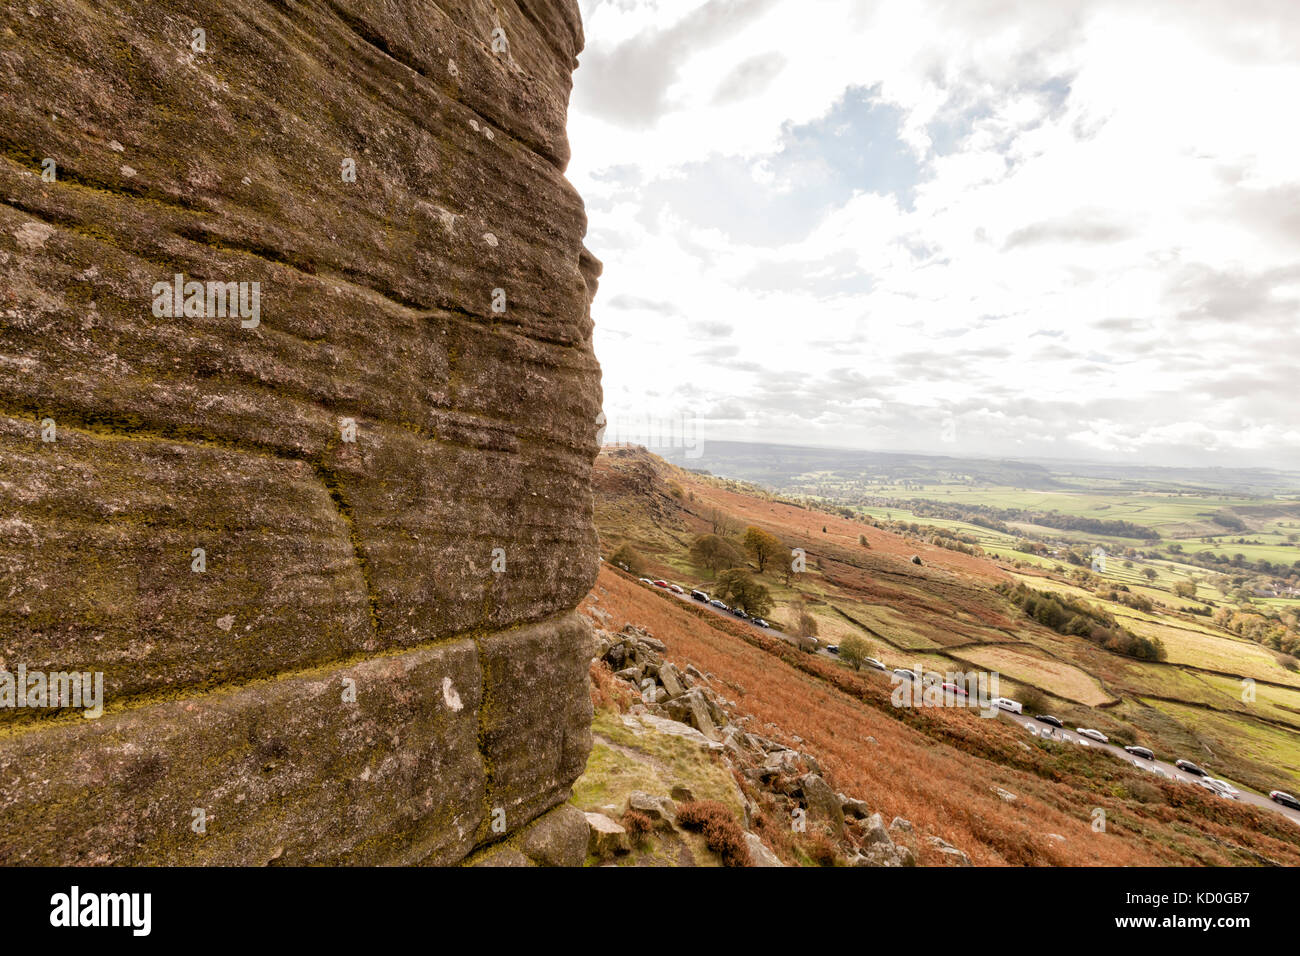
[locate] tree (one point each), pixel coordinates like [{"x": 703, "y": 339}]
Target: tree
[
  {"x": 629, "y": 559},
  {"x": 855, "y": 650},
  {"x": 715, "y": 553},
  {"x": 738, "y": 588},
  {"x": 1033, "y": 700},
  {"x": 862, "y": 540},
  {"x": 762, "y": 546},
  {"x": 719, "y": 521},
  {"x": 805, "y": 625},
  {"x": 1150, "y": 573},
  {"x": 1185, "y": 589}
]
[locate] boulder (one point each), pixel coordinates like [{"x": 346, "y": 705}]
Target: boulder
[
  {"x": 734, "y": 741},
  {"x": 821, "y": 800},
  {"x": 874, "y": 832},
  {"x": 782, "y": 761},
  {"x": 856, "y": 809},
  {"x": 616, "y": 655},
  {"x": 880, "y": 855},
  {"x": 605, "y": 837},
  {"x": 661, "y": 810},
  {"x": 637, "y": 718},
  {"x": 653, "y": 643},
  {"x": 759, "y": 854},
  {"x": 949, "y": 851},
  {"x": 669, "y": 677},
  {"x": 692, "y": 708},
  {"x": 558, "y": 838}
]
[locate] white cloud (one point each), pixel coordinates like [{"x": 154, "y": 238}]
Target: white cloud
[{"x": 1125, "y": 177}]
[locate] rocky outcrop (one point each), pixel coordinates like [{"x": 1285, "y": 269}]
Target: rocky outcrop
[
  {"x": 777, "y": 779},
  {"x": 322, "y": 527}
]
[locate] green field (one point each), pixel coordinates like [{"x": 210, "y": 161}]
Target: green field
[
  {"x": 1171, "y": 516},
  {"x": 1234, "y": 626}
]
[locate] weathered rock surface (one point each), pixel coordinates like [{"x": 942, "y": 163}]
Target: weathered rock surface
[
  {"x": 605, "y": 836},
  {"x": 388, "y": 473},
  {"x": 660, "y": 810},
  {"x": 823, "y": 803},
  {"x": 782, "y": 782},
  {"x": 759, "y": 854},
  {"x": 558, "y": 838},
  {"x": 949, "y": 851}
]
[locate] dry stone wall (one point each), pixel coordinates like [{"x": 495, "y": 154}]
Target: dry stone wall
[{"x": 297, "y": 414}]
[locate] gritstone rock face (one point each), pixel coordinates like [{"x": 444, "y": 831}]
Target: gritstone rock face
[{"x": 297, "y": 416}]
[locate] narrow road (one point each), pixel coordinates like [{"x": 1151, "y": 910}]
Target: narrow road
[{"x": 1040, "y": 729}]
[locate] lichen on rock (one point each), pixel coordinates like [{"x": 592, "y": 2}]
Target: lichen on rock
[{"x": 387, "y": 474}]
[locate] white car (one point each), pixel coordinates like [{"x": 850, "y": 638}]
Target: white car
[
  {"x": 1216, "y": 786},
  {"x": 1226, "y": 788},
  {"x": 1094, "y": 734},
  {"x": 1006, "y": 703}
]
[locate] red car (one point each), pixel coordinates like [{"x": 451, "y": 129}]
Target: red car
[{"x": 661, "y": 584}]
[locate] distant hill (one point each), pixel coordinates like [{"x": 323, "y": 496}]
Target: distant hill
[
  {"x": 777, "y": 465},
  {"x": 780, "y": 466}
]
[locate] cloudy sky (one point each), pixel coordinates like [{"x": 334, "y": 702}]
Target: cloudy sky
[{"x": 1065, "y": 229}]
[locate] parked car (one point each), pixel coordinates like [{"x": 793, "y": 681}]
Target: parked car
[
  {"x": 740, "y": 613},
  {"x": 700, "y": 596},
  {"x": 1216, "y": 787},
  {"x": 675, "y": 589},
  {"x": 1049, "y": 719},
  {"x": 719, "y": 605},
  {"x": 1142, "y": 752},
  {"x": 1284, "y": 798},
  {"x": 646, "y": 581},
  {"x": 953, "y": 689},
  {"x": 905, "y": 674},
  {"x": 833, "y": 648},
  {"x": 1228, "y": 789},
  {"x": 660, "y": 584},
  {"x": 1006, "y": 703},
  {"x": 1094, "y": 734},
  {"x": 1189, "y": 767},
  {"x": 872, "y": 662},
  {"x": 761, "y": 623}
]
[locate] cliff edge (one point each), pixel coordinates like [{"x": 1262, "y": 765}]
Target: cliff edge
[{"x": 297, "y": 421}]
